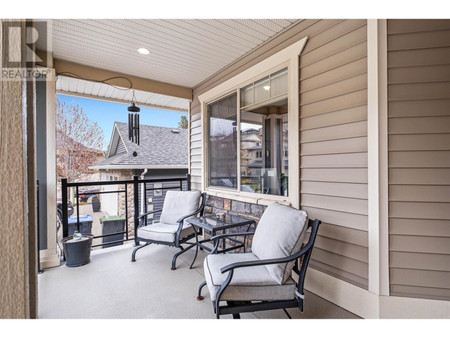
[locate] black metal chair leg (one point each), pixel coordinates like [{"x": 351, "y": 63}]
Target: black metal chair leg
[
  {"x": 174, "y": 259},
  {"x": 287, "y": 314},
  {"x": 196, "y": 248},
  {"x": 133, "y": 255},
  {"x": 199, "y": 296},
  {"x": 236, "y": 316},
  {"x": 195, "y": 257}
]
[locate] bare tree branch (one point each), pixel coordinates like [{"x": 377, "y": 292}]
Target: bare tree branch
[{"x": 79, "y": 141}]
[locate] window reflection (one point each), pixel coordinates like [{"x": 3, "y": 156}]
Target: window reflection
[
  {"x": 223, "y": 142},
  {"x": 263, "y": 127},
  {"x": 263, "y": 149}
]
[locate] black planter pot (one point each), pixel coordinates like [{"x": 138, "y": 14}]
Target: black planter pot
[{"x": 77, "y": 252}]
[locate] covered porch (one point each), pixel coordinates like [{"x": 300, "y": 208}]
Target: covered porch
[
  {"x": 366, "y": 148},
  {"x": 111, "y": 287}
]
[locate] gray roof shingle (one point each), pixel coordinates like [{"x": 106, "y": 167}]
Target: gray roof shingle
[{"x": 159, "y": 146}]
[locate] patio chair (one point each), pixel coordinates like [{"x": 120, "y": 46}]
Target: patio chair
[
  {"x": 172, "y": 230},
  {"x": 261, "y": 280}
]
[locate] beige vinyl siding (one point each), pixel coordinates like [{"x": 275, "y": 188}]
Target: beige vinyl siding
[
  {"x": 333, "y": 150},
  {"x": 419, "y": 158},
  {"x": 196, "y": 140},
  {"x": 333, "y": 134}
]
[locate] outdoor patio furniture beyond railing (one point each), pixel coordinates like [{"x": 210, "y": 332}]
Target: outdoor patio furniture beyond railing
[{"x": 137, "y": 184}]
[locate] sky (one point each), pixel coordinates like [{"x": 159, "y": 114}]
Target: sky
[{"x": 106, "y": 113}]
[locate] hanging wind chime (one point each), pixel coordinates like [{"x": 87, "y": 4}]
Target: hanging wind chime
[{"x": 133, "y": 121}]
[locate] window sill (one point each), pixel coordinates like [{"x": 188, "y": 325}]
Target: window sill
[{"x": 248, "y": 197}]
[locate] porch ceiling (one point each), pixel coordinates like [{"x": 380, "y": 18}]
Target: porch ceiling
[{"x": 182, "y": 52}]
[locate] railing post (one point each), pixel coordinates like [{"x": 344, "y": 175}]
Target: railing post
[
  {"x": 78, "y": 208},
  {"x": 188, "y": 182},
  {"x": 38, "y": 229},
  {"x": 65, "y": 220},
  {"x": 136, "y": 208}
]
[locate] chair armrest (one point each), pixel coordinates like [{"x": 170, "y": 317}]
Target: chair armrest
[
  {"x": 180, "y": 220},
  {"x": 313, "y": 224},
  {"x": 199, "y": 210},
  {"x": 266, "y": 261}
]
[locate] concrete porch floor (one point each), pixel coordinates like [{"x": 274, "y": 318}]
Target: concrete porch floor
[{"x": 110, "y": 286}]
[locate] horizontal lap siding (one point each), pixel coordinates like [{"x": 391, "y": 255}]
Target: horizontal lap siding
[
  {"x": 333, "y": 148},
  {"x": 195, "y": 142},
  {"x": 419, "y": 158},
  {"x": 333, "y": 137}
]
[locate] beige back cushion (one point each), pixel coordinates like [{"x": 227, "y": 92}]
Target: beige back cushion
[
  {"x": 178, "y": 204},
  {"x": 280, "y": 233}
]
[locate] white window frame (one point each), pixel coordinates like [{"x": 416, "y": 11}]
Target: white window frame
[{"x": 288, "y": 57}]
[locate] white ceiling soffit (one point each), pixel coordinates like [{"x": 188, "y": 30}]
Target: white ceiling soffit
[
  {"x": 182, "y": 52},
  {"x": 77, "y": 87}
]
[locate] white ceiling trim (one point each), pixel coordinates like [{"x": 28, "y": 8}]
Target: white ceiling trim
[{"x": 100, "y": 91}]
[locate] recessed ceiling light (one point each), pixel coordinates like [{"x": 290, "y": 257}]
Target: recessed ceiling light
[
  {"x": 266, "y": 87},
  {"x": 143, "y": 50}
]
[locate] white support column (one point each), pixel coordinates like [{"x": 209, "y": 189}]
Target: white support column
[
  {"x": 238, "y": 139},
  {"x": 49, "y": 257},
  {"x": 383, "y": 158},
  {"x": 204, "y": 149},
  {"x": 294, "y": 127},
  {"x": 189, "y": 136},
  {"x": 377, "y": 156}
]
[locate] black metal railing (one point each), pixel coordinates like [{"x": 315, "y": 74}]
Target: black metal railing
[{"x": 136, "y": 183}]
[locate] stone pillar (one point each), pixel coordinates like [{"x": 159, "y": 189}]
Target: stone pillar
[{"x": 127, "y": 175}]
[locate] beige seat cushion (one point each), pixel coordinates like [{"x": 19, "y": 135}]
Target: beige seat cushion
[
  {"x": 251, "y": 284},
  {"x": 163, "y": 232},
  {"x": 280, "y": 233}
]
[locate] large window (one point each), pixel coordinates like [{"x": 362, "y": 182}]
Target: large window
[
  {"x": 252, "y": 148},
  {"x": 222, "y": 116},
  {"x": 253, "y": 133}
]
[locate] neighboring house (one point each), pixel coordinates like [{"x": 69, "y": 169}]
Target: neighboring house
[
  {"x": 254, "y": 165},
  {"x": 251, "y": 148},
  {"x": 162, "y": 153},
  {"x": 251, "y": 157}
]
